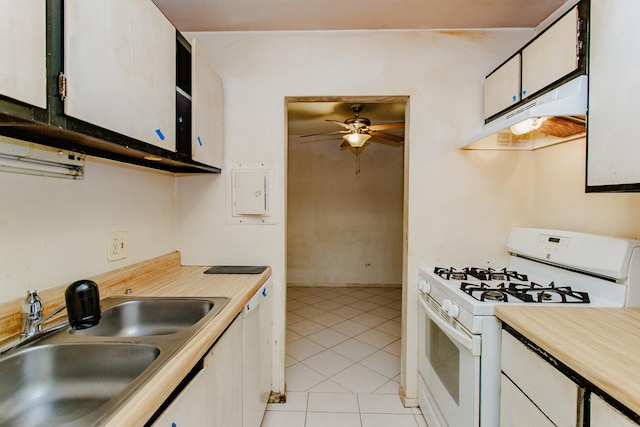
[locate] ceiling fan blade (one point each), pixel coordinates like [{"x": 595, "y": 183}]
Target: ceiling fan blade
[
  {"x": 344, "y": 144},
  {"x": 387, "y": 136},
  {"x": 385, "y": 126},
  {"x": 322, "y": 133},
  {"x": 339, "y": 123}
]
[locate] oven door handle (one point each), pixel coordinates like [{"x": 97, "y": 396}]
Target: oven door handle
[{"x": 471, "y": 343}]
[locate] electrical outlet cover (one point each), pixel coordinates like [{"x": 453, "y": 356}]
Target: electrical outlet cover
[{"x": 117, "y": 245}]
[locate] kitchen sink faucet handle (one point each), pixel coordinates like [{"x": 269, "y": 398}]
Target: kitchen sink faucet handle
[{"x": 30, "y": 313}]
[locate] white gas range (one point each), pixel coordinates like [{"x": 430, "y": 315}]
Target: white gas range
[{"x": 459, "y": 337}]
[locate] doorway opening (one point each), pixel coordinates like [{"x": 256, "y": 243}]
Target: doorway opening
[{"x": 345, "y": 247}]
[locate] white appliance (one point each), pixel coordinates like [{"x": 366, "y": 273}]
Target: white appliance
[
  {"x": 256, "y": 372},
  {"x": 459, "y": 337}
]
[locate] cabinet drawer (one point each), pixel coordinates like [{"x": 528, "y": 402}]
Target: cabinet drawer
[{"x": 555, "y": 394}]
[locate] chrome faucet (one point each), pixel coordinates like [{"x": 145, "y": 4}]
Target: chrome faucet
[
  {"x": 31, "y": 315},
  {"x": 32, "y": 321}
]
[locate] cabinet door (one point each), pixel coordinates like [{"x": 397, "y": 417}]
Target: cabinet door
[
  {"x": 120, "y": 66},
  {"x": 225, "y": 365},
  {"x": 552, "y": 392},
  {"x": 502, "y": 87},
  {"x": 214, "y": 395},
  {"x": 517, "y": 410},
  {"x": 551, "y": 56},
  {"x": 23, "y": 74},
  {"x": 605, "y": 415},
  {"x": 191, "y": 407},
  {"x": 614, "y": 82},
  {"x": 207, "y": 110}
]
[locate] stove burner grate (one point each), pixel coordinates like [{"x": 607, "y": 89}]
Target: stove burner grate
[
  {"x": 524, "y": 292},
  {"x": 487, "y": 274},
  {"x": 450, "y": 273}
]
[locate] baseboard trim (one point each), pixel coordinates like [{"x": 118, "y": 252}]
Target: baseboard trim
[
  {"x": 408, "y": 403},
  {"x": 344, "y": 285}
]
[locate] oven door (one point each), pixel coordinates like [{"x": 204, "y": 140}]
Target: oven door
[{"x": 449, "y": 364}]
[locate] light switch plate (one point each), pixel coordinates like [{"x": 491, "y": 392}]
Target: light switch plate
[{"x": 117, "y": 245}]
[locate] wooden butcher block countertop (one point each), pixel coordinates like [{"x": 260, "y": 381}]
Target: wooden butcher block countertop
[
  {"x": 600, "y": 344},
  {"x": 160, "y": 277}
]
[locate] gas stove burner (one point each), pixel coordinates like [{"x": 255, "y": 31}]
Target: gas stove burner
[
  {"x": 493, "y": 295},
  {"x": 491, "y": 274},
  {"x": 524, "y": 292},
  {"x": 450, "y": 273}
]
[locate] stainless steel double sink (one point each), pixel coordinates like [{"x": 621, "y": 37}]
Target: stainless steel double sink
[{"x": 79, "y": 377}]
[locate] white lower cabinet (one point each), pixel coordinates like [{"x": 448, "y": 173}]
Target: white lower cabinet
[
  {"x": 214, "y": 395},
  {"x": 517, "y": 410},
  {"x": 605, "y": 415},
  {"x": 531, "y": 386}
]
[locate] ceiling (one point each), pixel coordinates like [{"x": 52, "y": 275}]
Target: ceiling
[{"x": 285, "y": 15}]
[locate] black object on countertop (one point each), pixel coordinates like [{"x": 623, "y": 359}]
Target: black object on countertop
[
  {"x": 83, "y": 304},
  {"x": 236, "y": 269}
]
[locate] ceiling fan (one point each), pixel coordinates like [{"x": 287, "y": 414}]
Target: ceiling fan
[{"x": 357, "y": 130}]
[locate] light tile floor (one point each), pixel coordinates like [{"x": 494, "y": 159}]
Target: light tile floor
[{"x": 343, "y": 360}]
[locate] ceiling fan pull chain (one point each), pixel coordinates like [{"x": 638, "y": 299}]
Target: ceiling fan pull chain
[{"x": 357, "y": 161}]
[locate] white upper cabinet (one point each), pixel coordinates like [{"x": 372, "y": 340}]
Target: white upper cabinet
[
  {"x": 552, "y": 55},
  {"x": 555, "y": 54},
  {"x": 502, "y": 87},
  {"x": 119, "y": 61},
  {"x": 23, "y": 74},
  {"x": 614, "y": 81},
  {"x": 207, "y": 110}
]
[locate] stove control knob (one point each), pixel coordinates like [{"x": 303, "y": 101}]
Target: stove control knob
[
  {"x": 424, "y": 286},
  {"x": 452, "y": 309}
]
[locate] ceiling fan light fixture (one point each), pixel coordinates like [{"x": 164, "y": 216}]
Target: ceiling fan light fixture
[{"x": 356, "y": 140}]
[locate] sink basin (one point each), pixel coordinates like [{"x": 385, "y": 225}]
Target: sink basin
[
  {"x": 149, "y": 316},
  {"x": 57, "y": 384},
  {"x": 81, "y": 377}
]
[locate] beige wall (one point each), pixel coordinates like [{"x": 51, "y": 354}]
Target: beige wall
[
  {"x": 54, "y": 231},
  {"x": 343, "y": 227},
  {"x": 560, "y": 202},
  {"x": 459, "y": 205}
]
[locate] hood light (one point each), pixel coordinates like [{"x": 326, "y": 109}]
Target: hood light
[
  {"x": 152, "y": 158},
  {"x": 527, "y": 126}
]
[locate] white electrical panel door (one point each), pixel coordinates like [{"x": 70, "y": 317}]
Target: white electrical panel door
[
  {"x": 207, "y": 110},
  {"x": 250, "y": 192},
  {"x": 23, "y": 74},
  {"x": 120, "y": 63},
  {"x": 502, "y": 87},
  {"x": 551, "y": 56}
]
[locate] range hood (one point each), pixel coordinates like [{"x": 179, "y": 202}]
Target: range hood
[{"x": 559, "y": 113}]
